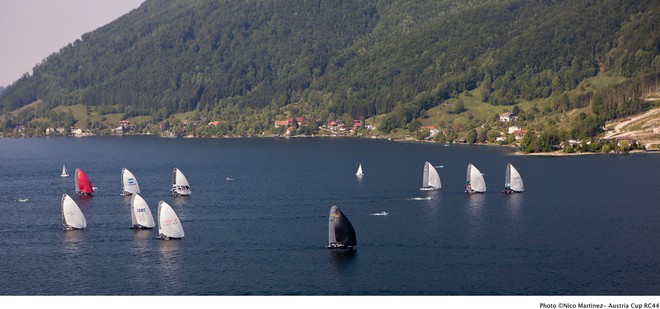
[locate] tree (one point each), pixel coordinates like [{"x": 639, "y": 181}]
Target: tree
[{"x": 471, "y": 136}]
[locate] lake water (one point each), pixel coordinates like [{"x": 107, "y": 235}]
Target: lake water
[{"x": 586, "y": 225}]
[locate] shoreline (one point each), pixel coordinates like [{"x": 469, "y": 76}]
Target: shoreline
[{"x": 557, "y": 153}]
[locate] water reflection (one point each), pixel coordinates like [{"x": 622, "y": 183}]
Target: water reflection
[
  {"x": 514, "y": 204},
  {"x": 434, "y": 201},
  {"x": 180, "y": 200},
  {"x": 170, "y": 259},
  {"x": 475, "y": 205},
  {"x": 126, "y": 200},
  {"x": 342, "y": 259},
  {"x": 84, "y": 202},
  {"x": 71, "y": 240},
  {"x": 142, "y": 239}
]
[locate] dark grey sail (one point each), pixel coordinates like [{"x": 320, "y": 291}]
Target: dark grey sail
[{"x": 341, "y": 234}]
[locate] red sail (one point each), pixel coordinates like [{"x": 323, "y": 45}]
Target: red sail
[{"x": 83, "y": 185}]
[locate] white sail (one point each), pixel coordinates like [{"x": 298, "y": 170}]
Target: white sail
[
  {"x": 129, "y": 184},
  {"x": 359, "y": 170},
  {"x": 169, "y": 225},
  {"x": 512, "y": 180},
  {"x": 72, "y": 217},
  {"x": 64, "y": 172},
  {"x": 141, "y": 216},
  {"x": 475, "y": 182},
  {"x": 180, "y": 186},
  {"x": 430, "y": 178}
]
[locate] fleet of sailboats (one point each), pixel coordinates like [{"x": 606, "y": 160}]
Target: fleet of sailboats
[
  {"x": 180, "y": 185},
  {"x": 341, "y": 234},
  {"x": 129, "y": 184},
  {"x": 430, "y": 178}
]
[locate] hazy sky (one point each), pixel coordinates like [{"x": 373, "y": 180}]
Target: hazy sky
[{"x": 31, "y": 30}]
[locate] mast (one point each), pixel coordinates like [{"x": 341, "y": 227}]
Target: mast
[{"x": 425, "y": 176}]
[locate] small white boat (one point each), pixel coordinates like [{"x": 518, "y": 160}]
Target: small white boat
[
  {"x": 475, "y": 182},
  {"x": 229, "y": 179},
  {"x": 72, "y": 216},
  {"x": 129, "y": 184},
  {"x": 64, "y": 172},
  {"x": 426, "y": 198},
  {"x": 141, "y": 217},
  {"x": 169, "y": 226},
  {"x": 359, "y": 171},
  {"x": 382, "y": 213},
  {"x": 23, "y": 200},
  {"x": 180, "y": 185},
  {"x": 430, "y": 178}
]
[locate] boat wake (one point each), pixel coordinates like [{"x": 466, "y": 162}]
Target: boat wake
[{"x": 426, "y": 198}]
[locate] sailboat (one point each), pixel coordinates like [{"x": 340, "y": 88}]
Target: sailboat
[
  {"x": 169, "y": 226},
  {"x": 141, "y": 217},
  {"x": 64, "y": 172},
  {"x": 359, "y": 170},
  {"x": 431, "y": 178},
  {"x": 129, "y": 184},
  {"x": 475, "y": 182},
  {"x": 513, "y": 183},
  {"x": 341, "y": 234},
  {"x": 180, "y": 186},
  {"x": 72, "y": 216},
  {"x": 83, "y": 185}
]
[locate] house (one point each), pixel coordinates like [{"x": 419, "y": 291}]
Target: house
[
  {"x": 506, "y": 117},
  {"x": 281, "y": 123},
  {"x": 357, "y": 123},
  {"x": 513, "y": 129},
  {"x": 432, "y": 130},
  {"x": 288, "y": 122},
  {"x": 519, "y": 134},
  {"x": 76, "y": 131},
  {"x": 214, "y": 123},
  {"x": 501, "y": 139}
]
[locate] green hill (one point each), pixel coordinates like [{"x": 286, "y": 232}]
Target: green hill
[{"x": 248, "y": 63}]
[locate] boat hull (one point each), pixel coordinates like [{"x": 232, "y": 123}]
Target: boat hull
[{"x": 337, "y": 246}]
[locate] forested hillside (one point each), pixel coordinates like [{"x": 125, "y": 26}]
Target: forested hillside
[{"x": 247, "y": 63}]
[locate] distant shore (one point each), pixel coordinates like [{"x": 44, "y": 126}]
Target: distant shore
[{"x": 558, "y": 153}]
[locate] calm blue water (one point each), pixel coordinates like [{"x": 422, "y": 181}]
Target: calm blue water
[{"x": 587, "y": 225}]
